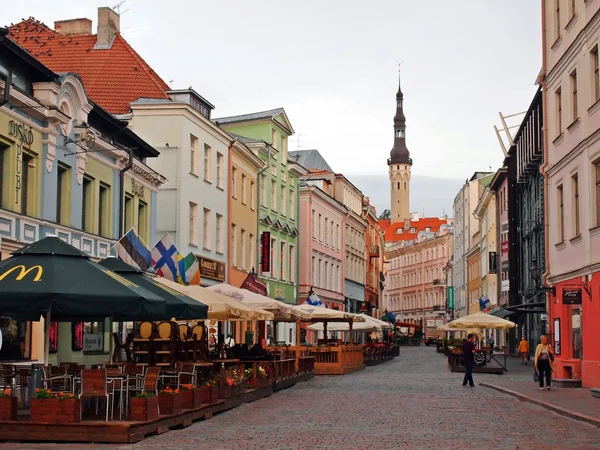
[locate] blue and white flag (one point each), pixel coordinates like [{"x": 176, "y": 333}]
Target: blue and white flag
[
  {"x": 133, "y": 251},
  {"x": 314, "y": 300},
  {"x": 165, "y": 258},
  {"x": 484, "y": 304}
]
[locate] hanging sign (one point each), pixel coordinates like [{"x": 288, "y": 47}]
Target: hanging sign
[
  {"x": 266, "y": 251},
  {"x": 572, "y": 296}
]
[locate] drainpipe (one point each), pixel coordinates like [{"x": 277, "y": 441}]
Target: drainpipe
[
  {"x": 128, "y": 166},
  {"x": 229, "y": 197},
  {"x": 545, "y": 161}
]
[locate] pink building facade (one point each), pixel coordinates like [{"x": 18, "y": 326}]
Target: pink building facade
[
  {"x": 416, "y": 280},
  {"x": 321, "y": 265},
  {"x": 570, "y": 80}
]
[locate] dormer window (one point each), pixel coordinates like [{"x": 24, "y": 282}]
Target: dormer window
[
  {"x": 400, "y": 133},
  {"x": 399, "y": 231},
  {"x": 399, "y": 104}
]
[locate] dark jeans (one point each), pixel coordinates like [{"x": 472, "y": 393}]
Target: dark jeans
[
  {"x": 544, "y": 370},
  {"x": 468, "y": 374}
]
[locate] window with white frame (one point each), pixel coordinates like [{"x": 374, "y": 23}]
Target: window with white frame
[
  {"x": 252, "y": 250},
  {"x": 234, "y": 247},
  {"x": 292, "y": 264},
  {"x": 220, "y": 160},
  {"x": 193, "y": 154},
  {"x": 292, "y": 214},
  {"x": 252, "y": 195},
  {"x": 314, "y": 222},
  {"x": 282, "y": 260},
  {"x": 193, "y": 223},
  {"x": 234, "y": 188},
  {"x": 219, "y": 234},
  {"x": 274, "y": 195},
  {"x": 273, "y": 254},
  {"x": 263, "y": 190},
  {"x": 206, "y": 229},
  {"x": 283, "y": 190},
  {"x": 243, "y": 248},
  {"x": 207, "y": 162},
  {"x": 244, "y": 189}
]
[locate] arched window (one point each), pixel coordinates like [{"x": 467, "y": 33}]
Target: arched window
[
  {"x": 405, "y": 185},
  {"x": 398, "y": 185}
]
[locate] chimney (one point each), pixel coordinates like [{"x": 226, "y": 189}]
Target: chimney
[
  {"x": 77, "y": 27},
  {"x": 109, "y": 25}
]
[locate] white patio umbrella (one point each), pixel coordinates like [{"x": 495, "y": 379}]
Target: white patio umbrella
[{"x": 481, "y": 320}]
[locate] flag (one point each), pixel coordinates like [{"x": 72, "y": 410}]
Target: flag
[
  {"x": 252, "y": 284},
  {"x": 484, "y": 304},
  {"x": 165, "y": 258},
  {"x": 133, "y": 251},
  {"x": 314, "y": 300},
  {"x": 189, "y": 270}
]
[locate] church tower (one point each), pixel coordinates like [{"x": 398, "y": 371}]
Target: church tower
[{"x": 399, "y": 164}]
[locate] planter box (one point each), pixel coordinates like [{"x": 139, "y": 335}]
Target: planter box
[
  {"x": 187, "y": 399},
  {"x": 8, "y": 408},
  {"x": 198, "y": 396},
  {"x": 207, "y": 394},
  {"x": 232, "y": 391},
  {"x": 53, "y": 410},
  {"x": 169, "y": 403},
  {"x": 144, "y": 409}
]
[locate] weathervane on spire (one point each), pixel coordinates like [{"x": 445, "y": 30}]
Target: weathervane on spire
[{"x": 400, "y": 66}]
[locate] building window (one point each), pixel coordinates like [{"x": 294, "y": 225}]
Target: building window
[
  {"x": 243, "y": 247},
  {"x": 595, "y": 73},
  {"x": 3, "y": 154},
  {"x": 292, "y": 214},
  {"x": 219, "y": 170},
  {"x": 577, "y": 221},
  {"x": 574, "y": 103},
  {"x": 337, "y": 236},
  {"x": 26, "y": 184},
  {"x": 557, "y": 18},
  {"x": 558, "y": 96},
  {"x": 104, "y": 216},
  {"x": 314, "y": 222},
  {"x": 282, "y": 261},
  {"x": 62, "y": 195},
  {"x": 219, "y": 234},
  {"x": 234, "y": 249},
  {"x": 143, "y": 220},
  {"x": 314, "y": 271},
  {"x": 326, "y": 276},
  {"x": 320, "y": 228},
  {"x": 252, "y": 247},
  {"x": 252, "y": 197},
  {"x": 193, "y": 236},
  {"x": 291, "y": 264},
  {"x": 244, "y": 189},
  {"x": 274, "y": 139},
  {"x": 273, "y": 250},
  {"x": 326, "y": 231},
  {"x": 128, "y": 212},
  {"x": 561, "y": 214},
  {"x": 573, "y": 9},
  {"x": 283, "y": 202},
  {"x": 207, "y": 161},
  {"x": 206, "y": 229},
  {"x": 86, "y": 204},
  {"x": 597, "y": 173},
  {"x": 274, "y": 195},
  {"x": 234, "y": 182},
  {"x": 263, "y": 191},
  {"x": 193, "y": 154}
]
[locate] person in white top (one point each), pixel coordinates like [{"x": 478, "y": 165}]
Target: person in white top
[{"x": 230, "y": 342}]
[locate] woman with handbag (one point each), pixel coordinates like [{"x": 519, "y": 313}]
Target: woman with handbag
[{"x": 544, "y": 358}]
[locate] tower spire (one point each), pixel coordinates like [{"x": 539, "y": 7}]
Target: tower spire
[{"x": 400, "y": 153}]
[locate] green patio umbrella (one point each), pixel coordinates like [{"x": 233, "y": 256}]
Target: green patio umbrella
[
  {"x": 53, "y": 277},
  {"x": 178, "y": 306}
]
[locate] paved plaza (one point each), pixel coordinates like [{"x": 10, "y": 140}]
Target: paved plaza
[{"x": 413, "y": 402}]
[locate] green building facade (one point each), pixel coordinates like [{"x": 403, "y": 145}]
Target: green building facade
[{"x": 267, "y": 133}]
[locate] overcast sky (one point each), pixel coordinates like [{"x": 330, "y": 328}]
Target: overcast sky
[{"x": 333, "y": 66}]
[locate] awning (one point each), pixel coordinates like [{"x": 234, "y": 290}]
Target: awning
[
  {"x": 503, "y": 313},
  {"x": 529, "y": 308}
]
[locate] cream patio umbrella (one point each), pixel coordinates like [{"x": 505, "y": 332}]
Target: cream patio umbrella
[
  {"x": 325, "y": 314},
  {"x": 369, "y": 325},
  {"x": 220, "y": 307},
  {"x": 282, "y": 311},
  {"x": 481, "y": 320}
]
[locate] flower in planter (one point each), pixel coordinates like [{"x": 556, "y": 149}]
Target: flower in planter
[
  {"x": 208, "y": 383},
  {"x": 187, "y": 387},
  {"x": 262, "y": 372},
  {"x": 168, "y": 390},
  {"x": 5, "y": 393},
  {"x": 230, "y": 381}
]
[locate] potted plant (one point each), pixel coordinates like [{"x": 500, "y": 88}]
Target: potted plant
[
  {"x": 187, "y": 395},
  {"x": 55, "y": 408},
  {"x": 8, "y": 406},
  {"x": 169, "y": 401},
  {"x": 144, "y": 407}
]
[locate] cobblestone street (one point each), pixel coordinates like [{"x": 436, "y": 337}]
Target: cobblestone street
[{"x": 411, "y": 402}]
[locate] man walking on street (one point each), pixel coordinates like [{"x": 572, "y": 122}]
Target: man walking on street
[{"x": 468, "y": 359}]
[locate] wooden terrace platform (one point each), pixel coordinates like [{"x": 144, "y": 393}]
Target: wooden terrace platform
[{"x": 120, "y": 432}]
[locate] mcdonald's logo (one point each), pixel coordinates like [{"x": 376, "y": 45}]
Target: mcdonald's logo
[{"x": 23, "y": 272}]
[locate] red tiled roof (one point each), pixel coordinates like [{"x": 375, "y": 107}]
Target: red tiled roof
[
  {"x": 113, "y": 77},
  {"x": 433, "y": 223}
]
